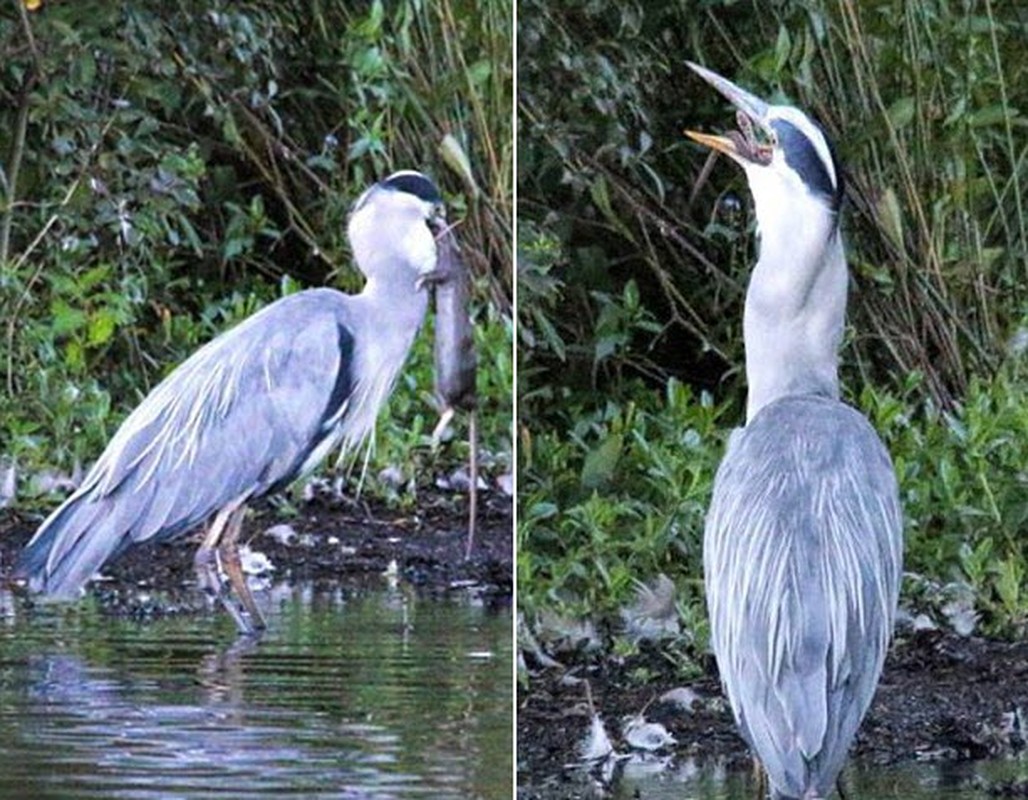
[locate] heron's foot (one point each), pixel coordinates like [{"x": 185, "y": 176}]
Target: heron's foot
[
  {"x": 208, "y": 576},
  {"x": 239, "y": 601},
  {"x": 249, "y": 624},
  {"x": 445, "y": 418},
  {"x": 219, "y": 574}
]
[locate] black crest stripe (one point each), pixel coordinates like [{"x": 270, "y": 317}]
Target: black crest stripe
[
  {"x": 414, "y": 183},
  {"x": 802, "y": 156}
]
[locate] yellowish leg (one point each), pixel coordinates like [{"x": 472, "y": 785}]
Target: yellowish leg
[
  {"x": 760, "y": 779},
  {"x": 213, "y": 535},
  {"x": 205, "y": 561},
  {"x": 219, "y": 551},
  {"x": 228, "y": 550}
]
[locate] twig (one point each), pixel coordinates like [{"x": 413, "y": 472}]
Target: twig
[
  {"x": 20, "y": 128},
  {"x": 269, "y": 171},
  {"x": 17, "y": 153},
  {"x": 23, "y": 13}
]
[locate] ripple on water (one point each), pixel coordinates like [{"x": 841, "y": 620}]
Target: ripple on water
[
  {"x": 688, "y": 779},
  {"x": 378, "y": 695}
]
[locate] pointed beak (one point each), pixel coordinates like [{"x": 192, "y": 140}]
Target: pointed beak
[
  {"x": 751, "y": 111},
  {"x": 723, "y": 144},
  {"x": 751, "y": 105}
]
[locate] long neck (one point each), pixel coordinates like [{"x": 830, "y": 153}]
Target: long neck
[
  {"x": 795, "y": 310},
  {"x": 396, "y": 302},
  {"x": 389, "y": 310}
]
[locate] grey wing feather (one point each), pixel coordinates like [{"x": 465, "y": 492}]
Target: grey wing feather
[
  {"x": 802, "y": 558},
  {"x": 240, "y": 416}
]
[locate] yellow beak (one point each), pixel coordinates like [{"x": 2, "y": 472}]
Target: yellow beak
[{"x": 720, "y": 143}]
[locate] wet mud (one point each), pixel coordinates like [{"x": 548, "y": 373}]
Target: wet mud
[
  {"x": 942, "y": 698},
  {"x": 324, "y": 540}
]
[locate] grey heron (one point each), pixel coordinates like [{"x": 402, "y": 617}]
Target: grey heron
[
  {"x": 803, "y": 544},
  {"x": 252, "y": 410}
]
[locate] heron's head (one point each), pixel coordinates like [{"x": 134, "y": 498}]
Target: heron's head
[
  {"x": 393, "y": 226},
  {"x": 789, "y": 162}
]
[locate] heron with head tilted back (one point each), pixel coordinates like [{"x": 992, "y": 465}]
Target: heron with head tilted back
[{"x": 803, "y": 543}]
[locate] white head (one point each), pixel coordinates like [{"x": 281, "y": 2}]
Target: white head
[
  {"x": 789, "y": 163},
  {"x": 392, "y": 228}
]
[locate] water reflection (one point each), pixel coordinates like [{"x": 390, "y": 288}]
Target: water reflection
[
  {"x": 664, "y": 779},
  {"x": 368, "y": 695}
]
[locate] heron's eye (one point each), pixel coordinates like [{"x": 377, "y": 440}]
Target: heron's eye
[{"x": 768, "y": 140}]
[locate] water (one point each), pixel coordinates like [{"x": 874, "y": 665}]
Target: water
[
  {"x": 367, "y": 695},
  {"x": 655, "y": 779}
]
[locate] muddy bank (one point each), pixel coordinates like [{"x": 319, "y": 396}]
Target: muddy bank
[
  {"x": 942, "y": 697},
  {"x": 326, "y": 539}
]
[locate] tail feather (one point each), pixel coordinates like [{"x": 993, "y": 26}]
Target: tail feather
[
  {"x": 71, "y": 546},
  {"x": 156, "y": 516}
]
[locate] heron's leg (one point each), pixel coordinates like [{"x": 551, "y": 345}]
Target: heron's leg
[
  {"x": 760, "y": 778},
  {"x": 205, "y": 561},
  {"x": 249, "y": 617}
]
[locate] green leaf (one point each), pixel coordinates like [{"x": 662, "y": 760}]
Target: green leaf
[
  {"x": 600, "y": 194},
  {"x": 101, "y": 327},
  {"x": 600, "y": 463},
  {"x": 1008, "y": 584},
  {"x": 990, "y": 115},
  {"x": 891, "y": 216},
  {"x": 66, "y": 319},
  {"x": 782, "y": 48},
  {"x": 93, "y": 277},
  {"x": 479, "y": 72},
  {"x": 901, "y": 113},
  {"x": 542, "y": 510},
  {"x": 74, "y": 356}
]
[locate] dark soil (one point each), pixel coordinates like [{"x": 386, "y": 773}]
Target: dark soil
[
  {"x": 424, "y": 545},
  {"x": 942, "y": 697}
]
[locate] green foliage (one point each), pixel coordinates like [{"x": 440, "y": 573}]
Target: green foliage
[
  {"x": 541, "y": 347},
  {"x": 963, "y": 486},
  {"x": 619, "y": 498},
  {"x": 166, "y": 169}
]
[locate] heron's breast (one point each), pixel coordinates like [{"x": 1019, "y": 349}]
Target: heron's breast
[{"x": 376, "y": 367}]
